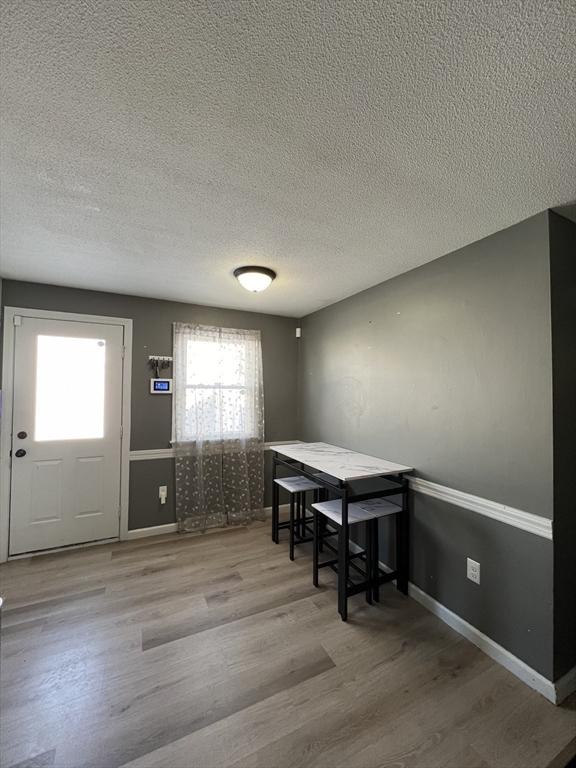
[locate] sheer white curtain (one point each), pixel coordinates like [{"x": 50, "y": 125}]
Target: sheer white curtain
[{"x": 218, "y": 418}]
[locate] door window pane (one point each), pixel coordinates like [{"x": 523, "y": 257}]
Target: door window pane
[{"x": 70, "y": 379}]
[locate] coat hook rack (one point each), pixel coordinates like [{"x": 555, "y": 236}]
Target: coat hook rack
[{"x": 159, "y": 363}]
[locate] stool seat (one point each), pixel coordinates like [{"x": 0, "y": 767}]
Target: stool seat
[
  {"x": 358, "y": 511},
  {"x": 297, "y": 484},
  {"x": 364, "y": 561}
]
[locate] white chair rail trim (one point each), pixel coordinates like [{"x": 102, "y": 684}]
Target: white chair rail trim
[
  {"x": 526, "y": 521},
  {"x": 169, "y": 453},
  {"x": 152, "y": 453}
]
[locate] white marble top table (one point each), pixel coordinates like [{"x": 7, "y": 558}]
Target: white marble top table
[{"x": 339, "y": 462}]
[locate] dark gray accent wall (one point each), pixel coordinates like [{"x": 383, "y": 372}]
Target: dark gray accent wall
[
  {"x": 447, "y": 368},
  {"x": 145, "y": 478},
  {"x": 513, "y": 604},
  {"x": 145, "y": 508},
  {"x": 563, "y": 288},
  {"x": 152, "y": 334}
]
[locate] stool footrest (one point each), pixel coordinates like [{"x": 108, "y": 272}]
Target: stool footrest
[
  {"x": 355, "y": 589},
  {"x": 286, "y": 523}
]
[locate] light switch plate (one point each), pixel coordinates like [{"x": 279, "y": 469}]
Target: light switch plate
[{"x": 473, "y": 570}]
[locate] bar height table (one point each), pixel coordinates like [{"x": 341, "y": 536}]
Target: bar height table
[{"x": 347, "y": 470}]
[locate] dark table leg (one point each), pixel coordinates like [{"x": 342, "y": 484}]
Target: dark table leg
[
  {"x": 316, "y": 549},
  {"x": 369, "y": 554},
  {"x": 292, "y": 526},
  {"x": 343, "y": 560},
  {"x": 403, "y": 543},
  {"x": 275, "y": 511},
  {"x": 375, "y": 560},
  {"x": 322, "y": 496},
  {"x": 275, "y": 502}
]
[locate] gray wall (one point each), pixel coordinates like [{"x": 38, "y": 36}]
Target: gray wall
[
  {"x": 447, "y": 368},
  {"x": 145, "y": 478},
  {"x": 152, "y": 334},
  {"x": 563, "y": 285}
]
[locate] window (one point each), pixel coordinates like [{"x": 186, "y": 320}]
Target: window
[
  {"x": 70, "y": 407},
  {"x": 218, "y": 384}
]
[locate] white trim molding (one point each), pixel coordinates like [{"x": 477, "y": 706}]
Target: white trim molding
[
  {"x": 7, "y": 405},
  {"x": 151, "y": 454},
  {"x": 554, "y": 692},
  {"x": 159, "y": 530},
  {"x": 153, "y": 530},
  {"x": 526, "y": 521},
  {"x": 270, "y": 445}
]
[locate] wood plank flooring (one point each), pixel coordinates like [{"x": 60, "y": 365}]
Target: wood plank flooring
[{"x": 214, "y": 650}]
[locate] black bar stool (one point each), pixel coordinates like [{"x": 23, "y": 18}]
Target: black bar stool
[
  {"x": 299, "y": 523},
  {"x": 363, "y": 562}
]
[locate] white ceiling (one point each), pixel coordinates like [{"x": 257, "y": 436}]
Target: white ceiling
[{"x": 152, "y": 146}]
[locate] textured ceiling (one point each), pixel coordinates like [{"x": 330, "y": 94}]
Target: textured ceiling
[{"x": 150, "y": 147}]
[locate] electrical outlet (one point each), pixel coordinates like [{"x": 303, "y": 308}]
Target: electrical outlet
[
  {"x": 473, "y": 570},
  {"x": 162, "y": 493}
]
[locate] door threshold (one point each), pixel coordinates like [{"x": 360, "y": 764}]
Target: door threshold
[{"x": 69, "y": 548}]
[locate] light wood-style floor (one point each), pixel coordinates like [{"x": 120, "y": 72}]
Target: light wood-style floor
[{"x": 215, "y": 650}]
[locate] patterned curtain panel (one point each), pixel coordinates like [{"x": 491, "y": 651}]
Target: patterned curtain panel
[{"x": 218, "y": 417}]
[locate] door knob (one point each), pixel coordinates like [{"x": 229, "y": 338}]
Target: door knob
[
  {"x": 22, "y": 435},
  {"x": 20, "y": 452}
]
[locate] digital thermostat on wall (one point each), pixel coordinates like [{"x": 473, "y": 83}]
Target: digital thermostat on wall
[{"x": 160, "y": 386}]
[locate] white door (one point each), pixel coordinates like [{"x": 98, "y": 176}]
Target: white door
[{"x": 66, "y": 433}]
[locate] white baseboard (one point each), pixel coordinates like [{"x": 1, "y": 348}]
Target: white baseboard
[
  {"x": 159, "y": 530},
  {"x": 153, "y": 530},
  {"x": 513, "y": 664}
]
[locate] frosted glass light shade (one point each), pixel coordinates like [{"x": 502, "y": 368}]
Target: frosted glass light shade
[{"x": 254, "y": 279}]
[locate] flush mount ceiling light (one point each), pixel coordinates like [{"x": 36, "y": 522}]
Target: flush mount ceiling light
[{"x": 254, "y": 279}]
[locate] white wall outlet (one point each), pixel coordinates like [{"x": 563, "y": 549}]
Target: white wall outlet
[
  {"x": 162, "y": 493},
  {"x": 473, "y": 570}
]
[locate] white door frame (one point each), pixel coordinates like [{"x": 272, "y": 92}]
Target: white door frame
[{"x": 7, "y": 404}]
